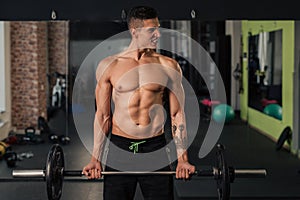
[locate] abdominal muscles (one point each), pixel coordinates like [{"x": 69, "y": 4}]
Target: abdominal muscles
[{"x": 139, "y": 113}]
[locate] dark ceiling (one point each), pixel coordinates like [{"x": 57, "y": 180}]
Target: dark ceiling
[{"x": 100, "y": 10}]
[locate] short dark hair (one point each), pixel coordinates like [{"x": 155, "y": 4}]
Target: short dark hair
[{"x": 141, "y": 13}]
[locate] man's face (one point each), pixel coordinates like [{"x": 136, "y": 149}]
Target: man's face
[{"x": 148, "y": 35}]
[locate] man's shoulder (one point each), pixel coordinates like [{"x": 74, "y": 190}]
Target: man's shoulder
[
  {"x": 117, "y": 58},
  {"x": 168, "y": 61},
  {"x": 110, "y": 62},
  {"x": 105, "y": 66}
]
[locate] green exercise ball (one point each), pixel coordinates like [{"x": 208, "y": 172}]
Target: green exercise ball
[
  {"x": 273, "y": 110},
  {"x": 223, "y": 113}
]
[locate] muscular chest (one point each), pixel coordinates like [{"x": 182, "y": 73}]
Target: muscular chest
[{"x": 151, "y": 77}]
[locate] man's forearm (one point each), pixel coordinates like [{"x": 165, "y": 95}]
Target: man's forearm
[
  {"x": 180, "y": 138},
  {"x": 101, "y": 128}
]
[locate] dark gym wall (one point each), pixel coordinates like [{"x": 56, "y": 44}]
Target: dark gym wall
[
  {"x": 111, "y": 10},
  {"x": 208, "y": 33},
  {"x": 223, "y": 58}
]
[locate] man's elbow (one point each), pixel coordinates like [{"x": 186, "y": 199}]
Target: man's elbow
[
  {"x": 103, "y": 117},
  {"x": 177, "y": 117}
]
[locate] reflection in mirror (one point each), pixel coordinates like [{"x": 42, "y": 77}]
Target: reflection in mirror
[{"x": 265, "y": 69}]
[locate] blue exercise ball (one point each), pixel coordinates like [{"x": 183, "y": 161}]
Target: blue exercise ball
[
  {"x": 273, "y": 110},
  {"x": 223, "y": 113}
]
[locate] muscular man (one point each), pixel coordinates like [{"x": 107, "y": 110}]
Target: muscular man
[{"x": 137, "y": 80}]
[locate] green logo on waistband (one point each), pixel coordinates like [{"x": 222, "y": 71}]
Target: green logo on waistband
[{"x": 135, "y": 146}]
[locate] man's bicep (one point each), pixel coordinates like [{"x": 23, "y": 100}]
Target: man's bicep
[
  {"x": 103, "y": 96},
  {"x": 176, "y": 97},
  {"x": 174, "y": 104},
  {"x": 176, "y": 91}
]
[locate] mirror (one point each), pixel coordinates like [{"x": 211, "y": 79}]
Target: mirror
[
  {"x": 65, "y": 44},
  {"x": 265, "y": 70}
]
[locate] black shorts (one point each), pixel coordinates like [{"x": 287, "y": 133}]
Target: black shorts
[{"x": 119, "y": 187}]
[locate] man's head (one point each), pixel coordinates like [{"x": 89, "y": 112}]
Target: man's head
[
  {"x": 143, "y": 25},
  {"x": 137, "y": 14}
]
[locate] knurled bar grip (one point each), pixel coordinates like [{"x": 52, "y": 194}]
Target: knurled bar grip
[{"x": 197, "y": 173}]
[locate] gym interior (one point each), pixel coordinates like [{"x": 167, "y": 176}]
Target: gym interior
[{"x": 44, "y": 94}]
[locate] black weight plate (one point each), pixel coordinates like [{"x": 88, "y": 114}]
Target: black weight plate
[
  {"x": 284, "y": 136},
  {"x": 223, "y": 180},
  {"x": 54, "y": 172}
]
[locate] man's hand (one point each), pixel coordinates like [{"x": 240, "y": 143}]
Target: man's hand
[
  {"x": 184, "y": 170},
  {"x": 92, "y": 170}
]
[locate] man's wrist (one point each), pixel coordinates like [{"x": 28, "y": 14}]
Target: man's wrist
[
  {"x": 93, "y": 159},
  {"x": 183, "y": 157}
]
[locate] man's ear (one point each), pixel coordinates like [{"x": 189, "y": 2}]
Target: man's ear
[{"x": 133, "y": 32}]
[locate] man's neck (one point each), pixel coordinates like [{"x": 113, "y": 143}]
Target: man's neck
[
  {"x": 143, "y": 52},
  {"x": 137, "y": 54}
]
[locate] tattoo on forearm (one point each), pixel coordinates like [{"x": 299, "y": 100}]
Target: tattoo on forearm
[
  {"x": 180, "y": 140},
  {"x": 174, "y": 128},
  {"x": 180, "y": 143},
  {"x": 181, "y": 128}
]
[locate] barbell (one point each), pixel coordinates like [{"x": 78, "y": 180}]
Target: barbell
[{"x": 54, "y": 174}]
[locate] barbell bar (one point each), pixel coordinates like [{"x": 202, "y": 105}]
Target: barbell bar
[
  {"x": 55, "y": 173},
  {"x": 239, "y": 173}
]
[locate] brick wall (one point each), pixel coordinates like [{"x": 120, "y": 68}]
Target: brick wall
[{"x": 32, "y": 54}]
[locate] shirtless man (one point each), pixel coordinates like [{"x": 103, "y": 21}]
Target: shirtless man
[{"x": 138, "y": 80}]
